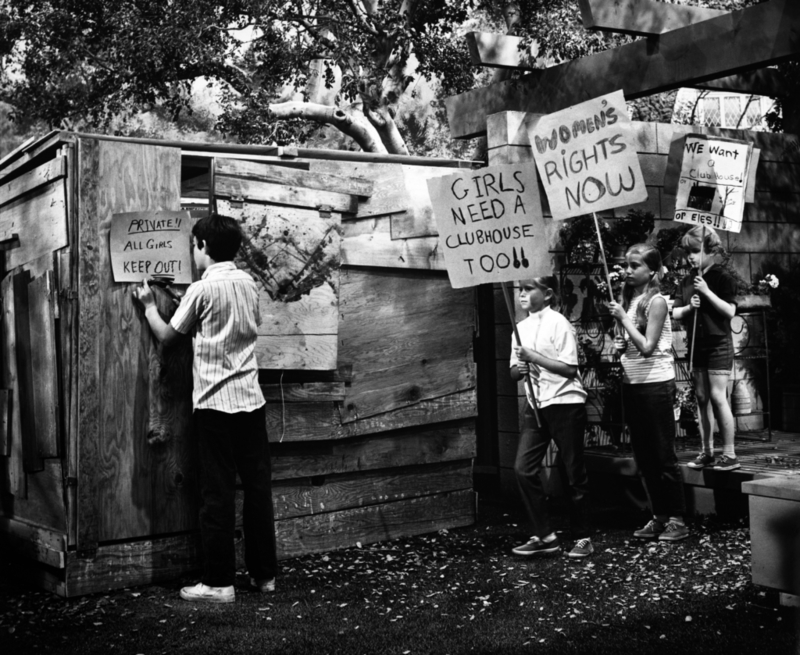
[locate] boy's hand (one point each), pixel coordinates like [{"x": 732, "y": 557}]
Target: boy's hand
[
  {"x": 144, "y": 294},
  {"x": 694, "y": 302},
  {"x": 701, "y": 286}
]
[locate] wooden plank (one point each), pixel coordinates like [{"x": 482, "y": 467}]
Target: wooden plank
[
  {"x": 133, "y": 563},
  {"x": 314, "y": 313},
  {"x": 429, "y": 352},
  {"x": 32, "y": 459},
  {"x": 43, "y": 503},
  {"x": 302, "y": 392},
  {"x": 312, "y": 352},
  {"x": 761, "y": 82},
  {"x": 231, "y": 187},
  {"x": 14, "y": 480},
  {"x": 43, "y": 361},
  {"x": 277, "y": 174},
  {"x": 288, "y": 422},
  {"x": 369, "y": 242},
  {"x": 334, "y": 493},
  {"x": 418, "y": 219},
  {"x": 453, "y": 407},
  {"x": 641, "y": 17},
  {"x": 34, "y": 543},
  {"x": 46, "y": 173},
  {"x": 501, "y": 51},
  {"x": 390, "y": 193},
  {"x": 39, "y": 220},
  {"x": 5, "y": 421},
  {"x": 31, "y": 151},
  {"x": 365, "y": 525},
  {"x": 741, "y": 40},
  {"x": 425, "y": 444}
]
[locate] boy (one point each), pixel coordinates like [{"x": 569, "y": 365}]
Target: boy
[{"x": 222, "y": 309}]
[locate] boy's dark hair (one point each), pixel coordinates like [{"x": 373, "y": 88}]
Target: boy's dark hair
[{"x": 221, "y": 235}]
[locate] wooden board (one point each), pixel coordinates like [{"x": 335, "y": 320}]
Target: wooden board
[
  {"x": 39, "y": 220},
  {"x": 707, "y": 50},
  {"x": 48, "y": 172},
  {"x": 277, "y": 174},
  {"x": 365, "y": 525},
  {"x": 303, "y": 422},
  {"x": 369, "y": 242},
  {"x": 13, "y": 478},
  {"x": 641, "y": 17},
  {"x": 389, "y": 195},
  {"x": 416, "y": 347},
  {"x": 426, "y": 444},
  {"x": 280, "y": 194},
  {"x": 295, "y": 256},
  {"x": 33, "y": 542},
  {"x": 43, "y": 363},
  {"x": 299, "y": 392},
  {"x": 322, "y": 494},
  {"x": 127, "y": 488}
]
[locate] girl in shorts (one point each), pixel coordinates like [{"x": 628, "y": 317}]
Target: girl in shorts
[{"x": 709, "y": 291}]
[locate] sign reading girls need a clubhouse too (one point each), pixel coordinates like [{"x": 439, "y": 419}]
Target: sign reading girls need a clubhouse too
[
  {"x": 586, "y": 157},
  {"x": 490, "y": 224}
]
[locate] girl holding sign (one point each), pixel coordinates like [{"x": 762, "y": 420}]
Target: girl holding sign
[
  {"x": 648, "y": 390},
  {"x": 708, "y": 292},
  {"x": 548, "y": 352}
]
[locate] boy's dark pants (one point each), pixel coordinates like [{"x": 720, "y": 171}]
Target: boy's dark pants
[
  {"x": 564, "y": 424},
  {"x": 651, "y": 421},
  {"x": 229, "y": 443}
]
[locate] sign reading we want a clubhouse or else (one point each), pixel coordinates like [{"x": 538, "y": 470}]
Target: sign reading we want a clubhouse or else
[
  {"x": 490, "y": 224},
  {"x": 586, "y": 157},
  {"x": 151, "y": 244}
]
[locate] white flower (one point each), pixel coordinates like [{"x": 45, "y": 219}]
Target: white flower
[{"x": 771, "y": 280}]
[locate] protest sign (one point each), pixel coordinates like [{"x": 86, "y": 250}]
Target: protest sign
[
  {"x": 490, "y": 223},
  {"x": 713, "y": 182},
  {"x": 586, "y": 157},
  {"x": 151, "y": 244}
]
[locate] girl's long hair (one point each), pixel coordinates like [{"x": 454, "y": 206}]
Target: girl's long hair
[{"x": 652, "y": 259}]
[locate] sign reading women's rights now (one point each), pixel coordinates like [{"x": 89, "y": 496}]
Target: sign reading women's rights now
[
  {"x": 713, "y": 182},
  {"x": 586, "y": 157},
  {"x": 490, "y": 223},
  {"x": 151, "y": 244}
]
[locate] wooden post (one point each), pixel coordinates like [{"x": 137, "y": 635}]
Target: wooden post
[{"x": 603, "y": 256}]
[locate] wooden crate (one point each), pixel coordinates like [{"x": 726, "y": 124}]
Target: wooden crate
[{"x": 365, "y": 354}]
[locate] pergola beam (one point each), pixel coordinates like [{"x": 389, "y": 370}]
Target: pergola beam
[
  {"x": 731, "y": 44},
  {"x": 641, "y": 17}
]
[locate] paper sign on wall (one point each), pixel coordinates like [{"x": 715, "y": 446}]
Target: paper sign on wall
[
  {"x": 713, "y": 182},
  {"x": 151, "y": 244},
  {"x": 586, "y": 157},
  {"x": 490, "y": 223}
]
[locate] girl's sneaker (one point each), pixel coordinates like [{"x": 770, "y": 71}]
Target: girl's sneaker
[
  {"x": 701, "y": 461},
  {"x": 652, "y": 530},
  {"x": 674, "y": 531},
  {"x": 726, "y": 463},
  {"x": 535, "y": 546},
  {"x": 582, "y": 548}
]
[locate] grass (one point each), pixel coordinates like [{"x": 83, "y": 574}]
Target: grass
[{"x": 457, "y": 591}]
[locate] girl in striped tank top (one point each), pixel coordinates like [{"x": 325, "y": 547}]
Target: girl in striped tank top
[{"x": 648, "y": 390}]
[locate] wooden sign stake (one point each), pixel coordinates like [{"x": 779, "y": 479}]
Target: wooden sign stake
[
  {"x": 512, "y": 316},
  {"x": 694, "y": 320},
  {"x": 603, "y": 256}
]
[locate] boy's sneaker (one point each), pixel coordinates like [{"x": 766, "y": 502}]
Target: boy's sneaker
[
  {"x": 726, "y": 463},
  {"x": 701, "y": 461},
  {"x": 535, "y": 546},
  {"x": 582, "y": 548},
  {"x": 264, "y": 586},
  {"x": 674, "y": 531},
  {"x": 204, "y": 593},
  {"x": 652, "y": 530}
]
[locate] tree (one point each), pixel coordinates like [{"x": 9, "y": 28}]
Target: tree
[{"x": 70, "y": 62}]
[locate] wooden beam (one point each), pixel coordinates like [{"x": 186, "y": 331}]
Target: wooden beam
[
  {"x": 762, "y": 82},
  {"x": 739, "y": 41},
  {"x": 500, "y": 51},
  {"x": 641, "y": 17}
]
